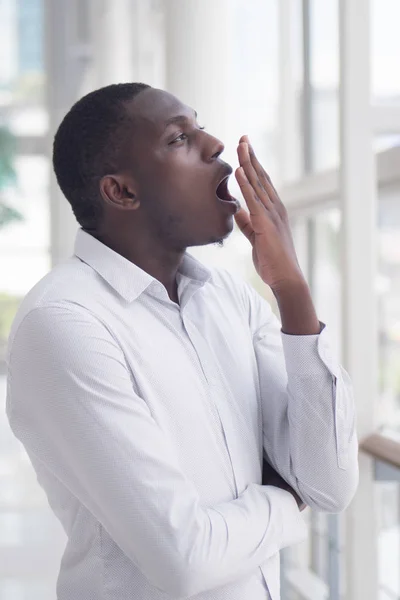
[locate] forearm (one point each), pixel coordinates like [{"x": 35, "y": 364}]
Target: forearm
[
  {"x": 298, "y": 315},
  {"x": 242, "y": 534},
  {"x": 311, "y": 440}
]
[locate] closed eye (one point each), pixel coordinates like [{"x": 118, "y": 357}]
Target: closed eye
[
  {"x": 182, "y": 137},
  {"x": 179, "y": 138}
]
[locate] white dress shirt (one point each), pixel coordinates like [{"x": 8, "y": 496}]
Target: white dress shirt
[{"x": 146, "y": 423}]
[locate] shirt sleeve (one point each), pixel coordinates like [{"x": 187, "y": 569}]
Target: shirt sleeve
[
  {"x": 71, "y": 402},
  {"x": 308, "y": 411}
]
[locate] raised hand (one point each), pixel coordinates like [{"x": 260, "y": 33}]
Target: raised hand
[{"x": 266, "y": 225}]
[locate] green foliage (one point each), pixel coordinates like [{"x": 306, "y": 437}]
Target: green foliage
[
  {"x": 8, "y": 308},
  {"x": 7, "y": 152},
  {"x": 8, "y": 214},
  {"x": 7, "y": 175}
]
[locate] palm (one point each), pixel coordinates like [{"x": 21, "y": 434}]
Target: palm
[{"x": 266, "y": 224}]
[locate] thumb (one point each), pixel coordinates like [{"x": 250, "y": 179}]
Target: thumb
[{"x": 243, "y": 221}]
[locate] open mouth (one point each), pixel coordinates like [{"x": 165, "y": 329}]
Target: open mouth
[{"x": 223, "y": 192}]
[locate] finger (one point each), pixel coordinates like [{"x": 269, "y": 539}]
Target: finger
[
  {"x": 254, "y": 204},
  {"x": 251, "y": 174},
  {"x": 262, "y": 174},
  {"x": 243, "y": 221}
]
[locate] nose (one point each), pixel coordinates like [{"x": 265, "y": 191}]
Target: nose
[{"x": 213, "y": 148}]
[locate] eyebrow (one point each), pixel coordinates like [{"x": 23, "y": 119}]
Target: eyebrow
[{"x": 178, "y": 119}]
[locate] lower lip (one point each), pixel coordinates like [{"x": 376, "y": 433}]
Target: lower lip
[{"x": 233, "y": 205}]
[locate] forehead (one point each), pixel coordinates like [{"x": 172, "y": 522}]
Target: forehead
[{"x": 153, "y": 108}]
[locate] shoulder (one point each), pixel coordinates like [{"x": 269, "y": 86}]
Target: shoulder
[
  {"x": 70, "y": 289},
  {"x": 58, "y": 306}
]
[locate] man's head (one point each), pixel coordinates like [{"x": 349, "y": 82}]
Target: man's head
[{"x": 132, "y": 160}]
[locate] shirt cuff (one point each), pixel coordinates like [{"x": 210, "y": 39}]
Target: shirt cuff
[
  {"x": 305, "y": 354},
  {"x": 284, "y": 509}
]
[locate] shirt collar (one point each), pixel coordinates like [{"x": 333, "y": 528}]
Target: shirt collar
[{"x": 126, "y": 278}]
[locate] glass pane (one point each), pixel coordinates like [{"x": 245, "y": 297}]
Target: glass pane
[
  {"x": 388, "y": 494},
  {"x": 293, "y": 162},
  {"x": 255, "y": 106},
  {"x": 389, "y": 309},
  {"x": 324, "y": 76},
  {"x": 13, "y": 589},
  {"x": 31, "y": 539},
  {"x": 385, "y": 51},
  {"x": 326, "y": 279},
  {"x": 24, "y": 210},
  {"x": 386, "y": 141}
]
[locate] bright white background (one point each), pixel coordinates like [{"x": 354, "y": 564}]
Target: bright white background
[{"x": 316, "y": 85}]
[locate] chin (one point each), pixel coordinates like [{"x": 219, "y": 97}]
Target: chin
[
  {"x": 215, "y": 237},
  {"x": 217, "y": 240},
  {"x": 220, "y": 239}
]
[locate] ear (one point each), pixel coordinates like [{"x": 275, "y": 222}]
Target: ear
[{"x": 118, "y": 192}]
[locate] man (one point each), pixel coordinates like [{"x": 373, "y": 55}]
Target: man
[{"x": 147, "y": 389}]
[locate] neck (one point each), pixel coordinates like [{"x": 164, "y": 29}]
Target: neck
[{"x": 156, "y": 260}]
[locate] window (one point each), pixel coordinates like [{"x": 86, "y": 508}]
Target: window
[
  {"x": 30, "y": 537},
  {"x": 326, "y": 277},
  {"x": 24, "y": 210},
  {"x": 385, "y": 51},
  {"x": 388, "y": 290},
  {"x": 254, "y": 79},
  {"x": 388, "y": 493},
  {"x": 324, "y": 83}
]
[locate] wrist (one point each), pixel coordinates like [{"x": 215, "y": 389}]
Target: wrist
[
  {"x": 291, "y": 286},
  {"x": 297, "y": 311}
]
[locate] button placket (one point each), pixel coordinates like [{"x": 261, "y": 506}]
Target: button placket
[{"x": 220, "y": 409}]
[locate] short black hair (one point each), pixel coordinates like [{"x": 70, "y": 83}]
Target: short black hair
[{"x": 88, "y": 144}]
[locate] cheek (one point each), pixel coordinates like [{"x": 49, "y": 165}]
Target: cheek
[
  {"x": 176, "y": 180},
  {"x": 183, "y": 164}
]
